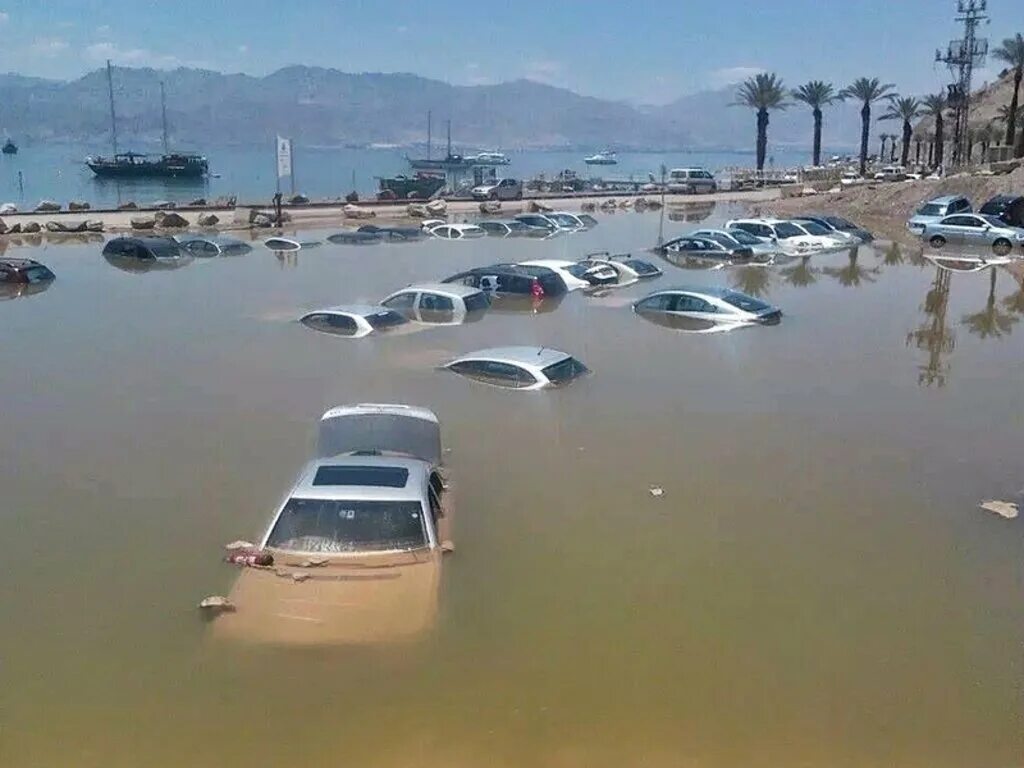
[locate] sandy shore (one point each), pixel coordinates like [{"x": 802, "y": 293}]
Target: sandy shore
[{"x": 323, "y": 215}]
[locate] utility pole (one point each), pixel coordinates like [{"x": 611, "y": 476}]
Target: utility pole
[{"x": 962, "y": 57}]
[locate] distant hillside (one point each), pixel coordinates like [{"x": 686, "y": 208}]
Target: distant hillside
[
  {"x": 985, "y": 103},
  {"x": 319, "y": 106}
]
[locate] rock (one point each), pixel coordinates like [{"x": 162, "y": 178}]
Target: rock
[
  {"x": 355, "y": 212},
  {"x": 257, "y": 219},
  {"x": 215, "y": 605},
  {"x": 298, "y": 200},
  {"x": 170, "y": 220},
  {"x": 7, "y": 208},
  {"x": 143, "y": 222},
  {"x": 239, "y": 544},
  {"x": 3, "y": 227},
  {"x": 437, "y": 207},
  {"x": 47, "y": 206},
  {"x": 536, "y": 206},
  {"x": 417, "y": 210},
  {"x": 30, "y": 227},
  {"x": 1006, "y": 509},
  {"x": 300, "y": 577},
  {"x": 74, "y": 205},
  {"x": 589, "y": 206},
  {"x": 129, "y": 206},
  {"x": 627, "y": 203},
  {"x": 56, "y": 226},
  {"x": 93, "y": 225},
  {"x": 656, "y": 491},
  {"x": 13, "y": 229},
  {"x": 314, "y": 562},
  {"x": 490, "y": 206},
  {"x": 207, "y": 220},
  {"x": 199, "y": 202},
  {"x": 225, "y": 201},
  {"x": 164, "y": 205},
  {"x": 609, "y": 204}
]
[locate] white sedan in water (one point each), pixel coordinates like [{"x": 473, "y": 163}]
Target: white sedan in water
[{"x": 790, "y": 238}]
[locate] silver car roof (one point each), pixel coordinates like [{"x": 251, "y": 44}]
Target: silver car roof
[
  {"x": 449, "y": 289},
  {"x": 946, "y": 199},
  {"x": 706, "y": 290},
  {"x": 540, "y": 357},
  {"x": 413, "y": 490},
  {"x": 360, "y": 310}
]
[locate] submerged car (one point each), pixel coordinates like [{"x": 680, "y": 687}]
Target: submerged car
[
  {"x": 538, "y": 221},
  {"x": 439, "y": 303},
  {"x": 144, "y": 248},
  {"x": 709, "y": 249},
  {"x": 456, "y": 231},
  {"x": 23, "y": 277},
  {"x": 936, "y": 209},
  {"x": 737, "y": 238},
  {"x": 576, "y": 274},
  {"x": 627, "y": 269},
  {"x": 787, "y": 236},
  {"x": 837, "y": 224},
  {"x": 393, "y": 234},
  {"x": 207, "y": 246},
  {"x": 711, "y": 304},
  {"x": 357, "y": 542},
  {"x": 570, "y": 220},
  {"x": 353, "y": 321},
  {"x": 974, "y": 229},
  {"x": 504, "y": 228},
  {"x": 527, "y": 368},
  {"x": 282, "y": 244},
  {"x": 831, "y": 239},
  {"x": 356, "y": 238},
  {"x": 537, "y": 282},
  {"x": 1009, "y": 208},
  {"x": 499, "y": 189}
]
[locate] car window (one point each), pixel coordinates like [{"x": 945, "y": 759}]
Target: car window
[
  {"x": 565, "y": 371},
  {"x": 38, "y": 274},
  {"x": 476, "y": 301},
  {"x": 509, "y": 374},
  {"x": 165, "y": 250},
  {"x": 744, "y": 302},
  {"x": 687, "y": 303},
  {"x": 341, "y": 325},
  {"x": 336, "y": 525},
  {"x": 403, "y": 300},
  {"x": 930, "y": 209},
  {"x": 384, "y": 319},
  {"x": 743, "y": 237},
  {"x": 813, "y": 227},
  {"x": 201, "y": 248},
  {"x": 960, "y": 205},
  {"x": 435, "y": 302},
  {"x": 960, "y": 221},
  {"x": 658, "y": 303},
  {"x": 435, "y": 504},
  {"x": 784, "y": 230}
]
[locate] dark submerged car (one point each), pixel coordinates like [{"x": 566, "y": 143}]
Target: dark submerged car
[
  {"x": 145, "y": 248},
  {"x": 512, "y": 279},
  {"x": 839, "y": 224},
  {"x": 23, "y": 277},
  {"x": 394, "y": 234},
  {"x": 1009, "y": 208}
]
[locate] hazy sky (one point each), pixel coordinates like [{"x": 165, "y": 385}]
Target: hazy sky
[{"x": 647, "y": 51}]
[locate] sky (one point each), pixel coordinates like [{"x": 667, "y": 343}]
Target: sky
[{"x": 644, "y": 52}]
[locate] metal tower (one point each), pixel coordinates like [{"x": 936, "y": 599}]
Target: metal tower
[{"x": 962, "y": 56}]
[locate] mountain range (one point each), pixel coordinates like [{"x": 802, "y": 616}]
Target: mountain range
[{"x": 317, "y": 106}]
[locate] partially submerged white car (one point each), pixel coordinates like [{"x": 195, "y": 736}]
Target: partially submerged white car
[
  {"x": 527, "y": 368},
  {"x": 438, "y": 303},
  {"x": 790, "y": 238},
  {"x": 353, "y": 321},
  {"x": 575, "y": 274},
  {"x": 456, "y": 231},
  {"x": 357, "y": 541},
  {"x": 711, "y": 304}
]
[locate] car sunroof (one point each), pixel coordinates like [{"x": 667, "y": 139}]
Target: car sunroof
[{"x": 381, "y": 477}]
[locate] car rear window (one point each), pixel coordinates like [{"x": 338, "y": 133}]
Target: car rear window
[
  {"x": 477, "y": 301},
  {"x": 378, "y": 477},
  {"x": 744, "y": 302},
  {"x": 640, "y": 267},
  {"x": 565, "y": 371},
  {"x": 344, "y": 525},
  {"x": 38, "y": 275},
  {"x": 166, "y": 250},
  {"x": 931, "y": 209},
  {"x": 385, "y": 319}
]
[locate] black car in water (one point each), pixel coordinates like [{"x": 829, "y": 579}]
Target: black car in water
[
  {"x": 1009, "y": 208},
  {"x": 23, "y": 277},
  {"x": 146, "y": 248},
  {"x": 512, "y": 279}
]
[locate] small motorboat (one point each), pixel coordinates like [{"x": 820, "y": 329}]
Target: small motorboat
[
  {"x": 607, "y": 157},
  {"x": 9, "y": 148}
]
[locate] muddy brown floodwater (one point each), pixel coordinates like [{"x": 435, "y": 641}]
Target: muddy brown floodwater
[{"x": 816, "y": 585}]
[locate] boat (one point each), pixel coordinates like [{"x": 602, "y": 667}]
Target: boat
[
  {"x": 137, "y": 165},
  {"x": 453, "y": 162},
  {"x": 607, "y": 157},
  {"x": 490, "y": 158},
  {"x": 9, "y": 148}
]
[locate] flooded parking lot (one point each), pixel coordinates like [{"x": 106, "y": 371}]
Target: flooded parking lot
[{"x": 815, "y": 585}]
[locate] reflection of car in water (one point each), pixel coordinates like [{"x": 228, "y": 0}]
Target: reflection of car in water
[
  {"x": 439, "y": 303},
  {"x": 686, "y": 324},
  {"x": 711, "y": 251},
  {"x": 357, "y": 542},
  {"x": 711, "y": 304},
  {"x": 526, "y": 368},
  {"x": 965, "y": 262},
  {"x": 23, "y": 277},
  {"x": 353, "y": 321},
  {"x": 691, "y": 212}
]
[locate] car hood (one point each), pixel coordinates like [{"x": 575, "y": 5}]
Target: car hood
[{"x": 348, "y": 601}]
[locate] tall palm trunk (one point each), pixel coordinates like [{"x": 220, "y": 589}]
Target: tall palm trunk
[
  {"x": 881, "y": 147},
  {"x": 1019, "y": 151},
  {"x": 931, "y": 153},
  {"x": 1011, "y": 120},
  {"x": 917, "y": 151},
  {"x": 865, "y": 129},
  {"x": 762, "y": 137},
  {"x": 939, "y": 139},
  {"x": 908, "y": 131},
  {"x": 892, "y": 149},
  {"x": 817, "y": 137}
]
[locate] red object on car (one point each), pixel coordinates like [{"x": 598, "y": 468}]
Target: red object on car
[{"x": 537, "y": 290}]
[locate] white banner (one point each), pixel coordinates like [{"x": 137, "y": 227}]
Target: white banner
[{"x": 284, "y": 157}]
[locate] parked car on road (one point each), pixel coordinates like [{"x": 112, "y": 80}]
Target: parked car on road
[
  {"x": 527, "y": 368},
  {"x": 691, "y": 181},
  {"x": 357, "y": 542},
  {"x": 1009, "y": 208},
  {"x": 438, "y": 303},
  {"x": 938, "y": 208},
  {"x": 499, "y": 189},
  {"x": 974, "y": 229},
  {"x": 353, "y": 321},
  {"x": 709, "y": 303}
]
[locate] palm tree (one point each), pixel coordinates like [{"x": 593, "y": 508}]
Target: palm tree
[
  {"x": 1011, "y": 51},
  {"x": 801, "y": 274},
  {"x": 985, "y": 135},
  {"x": 907, "y": 109},
  {"x": 816, "y": 94},
  {"x": 991, "y": 321},
  {"x": 753, "y": 281},
  {"x": 934, "y": 106},
  {"x": 853, "y": 274},
  {"x": 867, "y": 91},
  {"x": 763, "y": 92}
]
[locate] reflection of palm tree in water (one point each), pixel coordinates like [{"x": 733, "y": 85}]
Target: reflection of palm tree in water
[
  {"x": 934, "y": 335},
  {"x": 753, "y": 281},
  {"x": 1015, "y": 301},
  {"x": 853, "y": 274},
  {"x": 893, "y": 256},
  {"x": 991, "y": 321},
  {"x": 801, "y": 274}
]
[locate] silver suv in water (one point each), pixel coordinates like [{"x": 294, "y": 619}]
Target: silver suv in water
[{"x": 933, "y": 210}]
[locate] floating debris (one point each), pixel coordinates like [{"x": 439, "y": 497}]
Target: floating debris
[
  {"x": 447, "y": 546},
  {"x": 314, "y": 562},
  {"x": 300, "y": 576},
  {"x": 656, "y": 491},
  {"x": 239, "y": 544},
  {"x": 215, "y": 605},
  {"x": 1006, "y": 509},
  {"x": 251, "y": 557}
]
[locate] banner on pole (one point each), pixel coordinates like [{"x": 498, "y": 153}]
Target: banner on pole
[{"x": 284, "y": 157}]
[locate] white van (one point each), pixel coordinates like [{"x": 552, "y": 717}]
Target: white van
[{"x": 690, "y": 181}]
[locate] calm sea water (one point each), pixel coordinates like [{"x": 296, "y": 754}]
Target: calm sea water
[
  {"x": 58, "y": 172},
  {"x": 815, "y": 587}
]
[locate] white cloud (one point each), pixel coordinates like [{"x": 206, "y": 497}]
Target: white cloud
[
  {"x": 243, "y": 48},
  {"x": 47, "y": 47},
  {"x": 4, "y": 17},
  {"x": 545, "y": 71},
  {"x": 138, "y": 57},
  {"x": 103, "y": 30},
  {"x": 720, "y": 78}
]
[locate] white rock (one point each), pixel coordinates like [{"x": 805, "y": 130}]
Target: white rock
[{"x": 1006, "y": 509}]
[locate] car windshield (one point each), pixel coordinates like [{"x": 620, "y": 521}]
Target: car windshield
[
  {"x": 744, "y": 302},
  {"x": 743, "y": 237},
  {"x": 587, "y": 219},
  {"x": 840, "y": 223},
  {"x": 563, "y": 220},
  {"x": 385, "y": 318},
  {"x": 721, "y": 239},
  {"x": 476, "y": 302},
  {"x": 931, "y": 209},
  {"x": 166, "y": 250},
  {"x": 785, "y": 230},
  {"x": 37, "y": 275},
  {"x": 813, "y": 227},
  {"x": 565, "y": 371},
  {"x": 333, "y": 525},
  {"x": 993, "y": 221}
]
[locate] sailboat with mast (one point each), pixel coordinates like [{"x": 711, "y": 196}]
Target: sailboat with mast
[{"x": 135, "y": 165}]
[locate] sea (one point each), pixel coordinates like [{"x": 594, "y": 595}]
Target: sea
[{"x": 58, "y": 171}]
